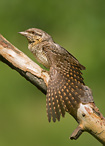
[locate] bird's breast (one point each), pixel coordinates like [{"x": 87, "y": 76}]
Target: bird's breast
[{"x": 39, "y": 55}]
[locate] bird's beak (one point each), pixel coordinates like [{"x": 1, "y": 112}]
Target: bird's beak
[{"x": 23, "y": 33}]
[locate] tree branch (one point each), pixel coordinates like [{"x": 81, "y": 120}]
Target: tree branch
[
  {"x": 21, "y": 63},
  {"x": 88, "y": 115}
]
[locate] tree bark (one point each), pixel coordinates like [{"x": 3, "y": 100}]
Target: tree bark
[{"x": 89, "y": 117}]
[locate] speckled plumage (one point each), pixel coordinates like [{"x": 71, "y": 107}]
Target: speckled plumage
[{"x": 66, "y": 89}]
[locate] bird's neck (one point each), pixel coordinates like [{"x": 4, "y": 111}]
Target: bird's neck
[{"x": 39, "y": 54}]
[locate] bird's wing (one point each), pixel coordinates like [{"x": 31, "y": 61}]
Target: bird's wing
[
  {"x": 65, "y": 87},
  {"x": 63, "y": 92},
  {"x": 54, "y": 102}
]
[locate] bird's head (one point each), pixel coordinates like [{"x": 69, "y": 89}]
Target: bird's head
[{"x": 35, "y": 35}]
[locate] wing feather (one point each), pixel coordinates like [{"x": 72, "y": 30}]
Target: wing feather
[{"x": 65, "y": 84}]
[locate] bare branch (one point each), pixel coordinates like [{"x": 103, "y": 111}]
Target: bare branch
[
  {"x": 92, "y": 121},
  {"x": 25, "y": 66},
  {"x": 88, "y": 115},
  {"x": 77, "y": 132}
]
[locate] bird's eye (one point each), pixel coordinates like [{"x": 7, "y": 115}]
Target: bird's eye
[{"x": 32, "y": 32}]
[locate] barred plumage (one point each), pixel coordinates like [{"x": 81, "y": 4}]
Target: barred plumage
[{"x": 66, "y": 88}]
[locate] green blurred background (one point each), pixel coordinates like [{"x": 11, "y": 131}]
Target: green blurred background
[{"x": 78, "y": 26}]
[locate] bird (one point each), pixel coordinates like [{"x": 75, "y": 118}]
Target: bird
[{"x": 66, "y": 88}]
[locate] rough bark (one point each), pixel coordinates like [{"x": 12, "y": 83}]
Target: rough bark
[{"x": 88, "y": 115}]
